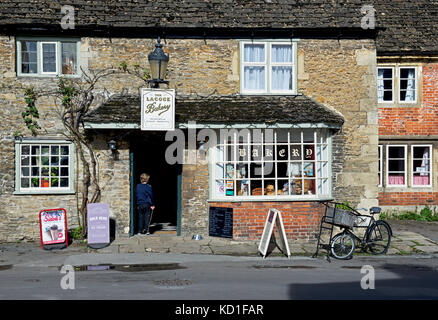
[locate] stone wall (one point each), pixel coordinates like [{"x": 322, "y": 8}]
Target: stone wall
[
  {"x": 339, "y": 74},
  {"x": 342, "y": 75}
]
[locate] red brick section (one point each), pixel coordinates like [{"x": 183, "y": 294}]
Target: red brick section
[
  {"x": 408, "y": 198},
  {"x": 414, "y": 121},
  {"x": 301, "y": 219}
]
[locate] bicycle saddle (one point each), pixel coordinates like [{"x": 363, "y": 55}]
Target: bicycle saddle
[{"x": 374, "y": 210}]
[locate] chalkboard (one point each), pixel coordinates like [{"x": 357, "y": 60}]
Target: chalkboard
[{"x": 221, "y": 222}]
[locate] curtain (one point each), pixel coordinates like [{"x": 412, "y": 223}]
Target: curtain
[
  {"x": 425, "y": 162},
  {"x": 410, "y": 90},
  {"x": 282, "y": 78},
  {"x": 254, "y": 53},
  {"x": 380, "y": 85},
  {"x": 254, "y": 76},
  {"x": 281, "y": 54},
  {"x": 281, "y": 75}
]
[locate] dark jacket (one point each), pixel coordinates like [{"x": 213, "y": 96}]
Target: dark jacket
[{"x": 144, "y": 194}]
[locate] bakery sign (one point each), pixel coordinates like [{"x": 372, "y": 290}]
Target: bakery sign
[{"x": 157, "y": 109}]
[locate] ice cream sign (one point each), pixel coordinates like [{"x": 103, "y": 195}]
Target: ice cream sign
[
  {"x": 53, "y": 227},
  {"x": 157, "y": 109}
]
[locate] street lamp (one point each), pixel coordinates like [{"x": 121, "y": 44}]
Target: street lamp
[{"x": 158, "y": 61}]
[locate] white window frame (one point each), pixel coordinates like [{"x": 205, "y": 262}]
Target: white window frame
[
  {"x": 268, "y": 67},
  {"x": 42, "y": 57},
  {"x": 43, "y": 190},
  {"x": 281, "y": 64},
  {"x": 399, "y": 84},
  {"x": 393, "y": 84},
  {"x": 39, "y": 41},
  {"x": 405, "y": 147},
  {"x": 321, "y": 139},
  {"x": 380, "y": 172},
  {"x": 254, "y": 64},
  {"x": 413, "y": 169}
]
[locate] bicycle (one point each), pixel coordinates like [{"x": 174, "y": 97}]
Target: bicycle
[{"x": 376, "y": 238}]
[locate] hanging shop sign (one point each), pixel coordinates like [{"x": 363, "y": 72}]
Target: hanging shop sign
[
  {"x": 274, "y": 218},
  {"x": 53, "y": 229},
  {"x": 157, "y": 109},
  {"x": 98, "y": 225}
]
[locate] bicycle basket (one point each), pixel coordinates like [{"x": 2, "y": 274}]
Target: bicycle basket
[{"x": 340, "y": 217}]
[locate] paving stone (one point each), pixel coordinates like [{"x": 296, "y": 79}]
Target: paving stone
[
  {"x": 393, "y": 250},
  {"x": 428, "y": 249}
]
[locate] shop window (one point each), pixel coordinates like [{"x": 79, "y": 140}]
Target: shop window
[
  {"x": 272, "y": 164},
  {"x": 421, "y": 165},
  {"x": 47, "y": 57},
  {"x": 44, "y": 167},
  {"x": 396, "y": 165},
  {"x": 268, "y": 67}
]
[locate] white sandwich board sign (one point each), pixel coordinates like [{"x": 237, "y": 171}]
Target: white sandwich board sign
[{"x": 274, "y": 218}]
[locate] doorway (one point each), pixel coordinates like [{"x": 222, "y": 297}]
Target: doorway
[{"x": 147, "y": 151}]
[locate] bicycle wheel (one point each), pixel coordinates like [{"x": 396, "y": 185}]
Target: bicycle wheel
[
  {"x": 342, "y": 246},
  {"x": 379, "y": 238}
]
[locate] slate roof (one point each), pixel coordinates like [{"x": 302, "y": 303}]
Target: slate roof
[
  {"x": 410, "y": 26},
  {"x": 220, "y": 109}
]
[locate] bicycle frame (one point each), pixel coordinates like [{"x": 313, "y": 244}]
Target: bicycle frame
[{"x": 367, "y": 231}]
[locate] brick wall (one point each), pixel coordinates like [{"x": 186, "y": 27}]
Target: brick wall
[
  {"x": 408, "y": 198},
  {"x": 414, "y": 121},
  {"x": 301, "y": 219}
]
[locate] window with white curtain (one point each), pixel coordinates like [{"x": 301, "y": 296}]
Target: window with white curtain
[
  {"x": 268, "y": 67},
  {"x": 397, "y": 84},
  {"x": 385, "y": 84},
  {"x": 407, "y": 85},
  {"x": 421, "y": 165},
  {"x": 396, "y": 165}
]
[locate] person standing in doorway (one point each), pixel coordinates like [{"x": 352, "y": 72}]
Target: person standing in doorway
[{"x": 145, "y": 203}]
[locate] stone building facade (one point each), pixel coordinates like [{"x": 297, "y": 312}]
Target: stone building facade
[{"x": 331, "y": 101}]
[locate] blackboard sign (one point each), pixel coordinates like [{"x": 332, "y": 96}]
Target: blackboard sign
[{"x": 221, "y": 222}]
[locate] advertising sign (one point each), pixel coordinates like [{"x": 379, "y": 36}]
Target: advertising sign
[
  {"x": 98, "y": 225},
  {"x": 157, "y": 109},
  {"x": 274, "y": 218},
  {"x": 53, "y": 228}
]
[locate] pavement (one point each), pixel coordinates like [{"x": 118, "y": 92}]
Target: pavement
[{"x": 156, "y": 248}]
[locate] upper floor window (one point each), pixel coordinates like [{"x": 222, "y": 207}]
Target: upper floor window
[
  {"x": 47, "y": 57},
  {"x": 268, "y": 67},
  {"x": 396, "y": 84}
]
